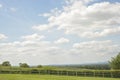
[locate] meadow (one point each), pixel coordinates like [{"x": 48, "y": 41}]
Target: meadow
[{"x": 47, "y": 77}]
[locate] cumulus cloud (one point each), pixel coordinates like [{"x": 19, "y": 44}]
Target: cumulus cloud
[
  {"x": 42, "y": 27},
  {"x": 2, "y": 36},
  {"x": 91, "y": 45},
  {"x": 29, "y": 51},
  {"x": 105, "y": 32},
  {"x": 96, "y": 49},
  {"x": 33, "y": 37},
  {"x": 78, "y": 17},
  {"x": 45, "y": 52},
  {"x": 49, "y": 53},
  {"x": 84, "y": 20},
  {"x": 62, "y": 41}
]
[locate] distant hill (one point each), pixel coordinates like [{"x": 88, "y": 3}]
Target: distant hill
[{"x": 97, "y": 66}]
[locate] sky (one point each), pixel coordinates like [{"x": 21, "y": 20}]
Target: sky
[{"x": 59, "y": 31}]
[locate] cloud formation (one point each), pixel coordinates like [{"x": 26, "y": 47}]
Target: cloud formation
[
  {"x": 97, "y": 47},
  {"x": 48, "y": 53},
  {"x": 86, "y": 30},
  {"x": 62, "y": 41},
  {"x": 2, "y": 36},
  {"x": 89, "y": 21},
  {"x": 33, "y": 37}
]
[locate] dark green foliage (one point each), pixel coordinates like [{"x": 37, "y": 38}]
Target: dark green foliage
[
  {"x": 6, "y": 63},
  {"x": 24, "y": 65},
  {"x": 34, "y": 71},
  {"x": 115, "y": 62},
  {"x": 102, "y": 66},
  {"x": 39, "y": 66}
]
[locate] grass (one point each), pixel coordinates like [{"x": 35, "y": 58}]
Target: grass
[{"x": 47, "y": 77}]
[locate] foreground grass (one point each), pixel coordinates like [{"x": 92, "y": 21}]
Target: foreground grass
[{"x": 47, "y": 77}]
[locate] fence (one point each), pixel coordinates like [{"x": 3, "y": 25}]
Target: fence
[{"x": 85, "y": 73}]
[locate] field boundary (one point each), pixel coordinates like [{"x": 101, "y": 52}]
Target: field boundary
[{"x": 83, "y": 73}]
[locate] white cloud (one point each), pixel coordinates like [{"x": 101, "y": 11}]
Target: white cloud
[
  {"x": 28, "y": 51},
  {"x": 1, "y": 5},
  {"x": 97, "y": 47},
  {"x": 84, "y": 20},
  {"x": 42, "y": 27},
  {"x": 105, "y": 32},
  {"x": 33, "y": 37},
  {"x": 2, "y": 36},
  {"x": 45, "y": 52},
  {"x": 79, "y": 18},
  {"x": 62, "y": 41},
  {"x": 83, "y": 1},
  {"x": 96, "y": 50}
]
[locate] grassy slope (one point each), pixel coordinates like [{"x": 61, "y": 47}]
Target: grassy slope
[{"x": 47, "y": 77}]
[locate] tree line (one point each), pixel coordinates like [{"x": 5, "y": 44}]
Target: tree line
[{"x": 22, "y": 65}]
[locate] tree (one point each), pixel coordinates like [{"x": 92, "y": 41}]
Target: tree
[
  {"x": 6, "y": 63},
  {"x": 24, "y": 65},
  {"x": 39, "y": 66},
  {"x": 115, "y": 62}
]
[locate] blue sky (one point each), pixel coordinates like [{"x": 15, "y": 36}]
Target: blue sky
[
  {"x": 25, "y": 14},
  {"x": 51, "y": 31}
]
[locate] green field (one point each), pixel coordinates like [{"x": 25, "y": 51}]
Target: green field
[{"x": 47, "y": 77}]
